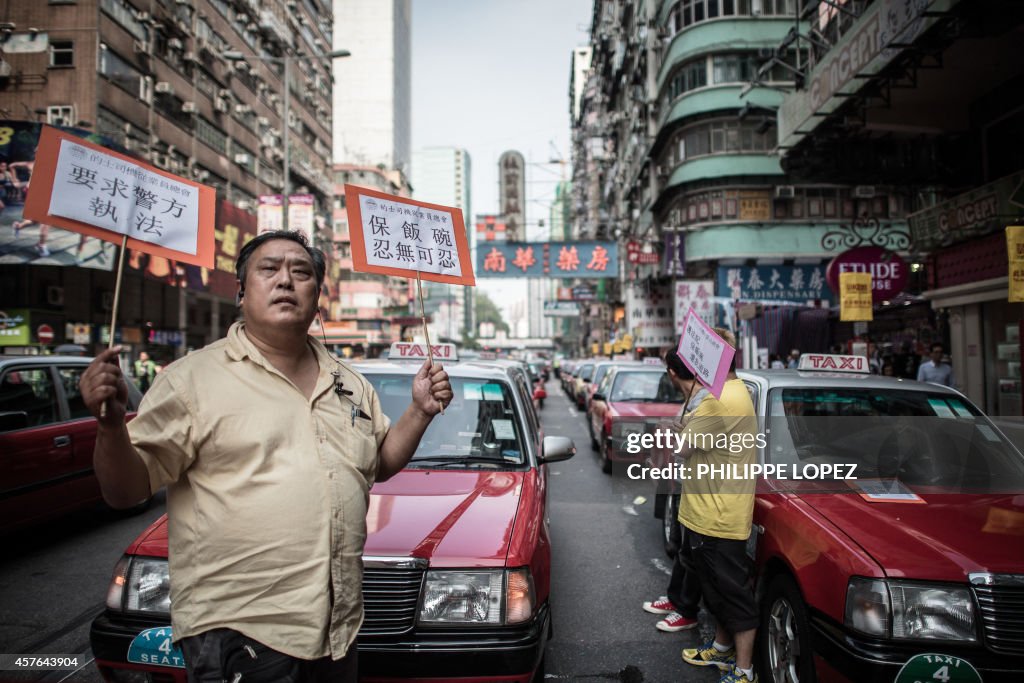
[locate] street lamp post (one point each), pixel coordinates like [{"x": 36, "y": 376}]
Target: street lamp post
[{"x": 286, "y": 60}]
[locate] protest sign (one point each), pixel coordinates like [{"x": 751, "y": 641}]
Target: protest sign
[
  {"x": 399, "y": 236},
  {"x": 81, "y": 186},
  {"x": 706, "y": 354},
  {"x": 855, "y": 300}
]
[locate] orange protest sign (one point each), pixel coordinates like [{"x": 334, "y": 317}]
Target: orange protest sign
[
  {"x": 81, "y": 186},
  {"x": 399, "y": 236}
]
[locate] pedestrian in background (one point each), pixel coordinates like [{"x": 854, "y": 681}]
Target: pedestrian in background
[
  {"x": 681, "y": 603},
  {"x": 268, "y": 447},
  {"x": 145, "y": 371},
  {"x": 936, "y": 370}
]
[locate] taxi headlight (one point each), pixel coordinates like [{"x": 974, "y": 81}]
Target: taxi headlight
[
  {"x": 494, "y": 597},
  {"x": 148, "y": 586},
  {"x": 933, "y": 612},
  {"x": 910, "y": 611}
]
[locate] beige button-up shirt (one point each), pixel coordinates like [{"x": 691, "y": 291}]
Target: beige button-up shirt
[{"x": 267, "y": 494}]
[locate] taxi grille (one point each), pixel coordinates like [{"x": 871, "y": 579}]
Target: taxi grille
[
  {"x": 1002, "y": 614},
  {"x": 390, "y": 598}
]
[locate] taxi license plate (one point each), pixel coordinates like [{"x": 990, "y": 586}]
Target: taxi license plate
[{"x": 155, "y": 646}]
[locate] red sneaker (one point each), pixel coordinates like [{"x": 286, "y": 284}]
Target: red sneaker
[
  {"x": 675, "y": 622},
  {"x": 660, "y": 606}
]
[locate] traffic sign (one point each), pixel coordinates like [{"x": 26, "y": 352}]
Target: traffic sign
[{"x": 44, "y": 333}]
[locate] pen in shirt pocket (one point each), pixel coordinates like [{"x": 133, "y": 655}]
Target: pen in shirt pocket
[{"x": 358, "y": 412}]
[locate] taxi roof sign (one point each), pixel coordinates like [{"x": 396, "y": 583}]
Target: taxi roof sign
[
  {"x": 418, "y": 351},
  {"x": 834, "y": 363}
]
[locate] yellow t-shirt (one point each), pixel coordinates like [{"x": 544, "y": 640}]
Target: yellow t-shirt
[{"x": 722, "y": 432}]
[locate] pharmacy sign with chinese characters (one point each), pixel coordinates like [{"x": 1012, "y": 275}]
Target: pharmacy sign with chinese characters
[
  {"x": 398, "y": 236},
  {"x": 548, "y": 259},
  {"x": 83, "y": 187},
  {"x": 775, "y": 284}
]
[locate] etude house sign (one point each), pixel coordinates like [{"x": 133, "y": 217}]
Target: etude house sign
[{"x": 889, "y": 272}]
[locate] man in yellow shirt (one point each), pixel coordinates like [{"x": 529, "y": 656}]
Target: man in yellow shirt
[{"x": 716, "y": 510}]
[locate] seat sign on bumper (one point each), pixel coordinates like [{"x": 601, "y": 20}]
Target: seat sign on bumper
[
  {"x": 935, "y": 667},
  {"x": 155, "y": 646}
]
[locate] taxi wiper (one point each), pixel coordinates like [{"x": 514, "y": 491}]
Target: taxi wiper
[{"x": 461, "y": 459}]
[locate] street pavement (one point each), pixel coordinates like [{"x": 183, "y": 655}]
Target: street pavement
[{"x": 607, "y": 560}]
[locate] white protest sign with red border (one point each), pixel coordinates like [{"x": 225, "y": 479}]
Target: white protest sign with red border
[
  {"x": 80, "y": 186},
  {"x": 399, "y": 236},
  {"x": 706, "y": 354}
]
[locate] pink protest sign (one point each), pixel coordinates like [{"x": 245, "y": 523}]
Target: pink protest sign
[{"x": 706, "y": 354}]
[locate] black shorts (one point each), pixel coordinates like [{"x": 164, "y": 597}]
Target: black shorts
[
  {"x": 222, "y": 654},
  {"x": 726, "y": 580}
]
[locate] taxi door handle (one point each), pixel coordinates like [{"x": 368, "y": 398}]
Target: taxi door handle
[{"x": 61, "y": 441}]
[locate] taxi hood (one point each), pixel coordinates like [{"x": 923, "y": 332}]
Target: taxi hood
[
  {"x": 452, "y": 518},
  {"x": 945, "y": 538}
]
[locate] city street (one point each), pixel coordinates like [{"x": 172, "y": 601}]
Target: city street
[{"x": 607, "y": 560}]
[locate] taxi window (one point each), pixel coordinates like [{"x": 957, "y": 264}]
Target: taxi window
[
  {"x": 930, "y": 440},
  {"x": 479, "y": 428},
  {"x": 601, "y": 372},
  {"x": 645, "y": 387},
  {"x": 30, "y": 392},
  {"x": 587, "y": 372}
]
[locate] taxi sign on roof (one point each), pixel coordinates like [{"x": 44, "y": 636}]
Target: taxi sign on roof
[
  {"x": 418, "y": 351},
  {"x": 834, "y": 363}
]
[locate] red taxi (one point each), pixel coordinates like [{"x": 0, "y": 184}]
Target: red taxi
[
  {"x": 892, "y": 530},
  {"x": 630, "y": 397},
  {"x": 47, "y": 436},
  {"x": 457, "y": 562}
]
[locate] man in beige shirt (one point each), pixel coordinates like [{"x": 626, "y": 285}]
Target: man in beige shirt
[{"x": 268, "y": 447}]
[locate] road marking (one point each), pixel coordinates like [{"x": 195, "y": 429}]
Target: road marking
[{"x": 660, "y": 565}]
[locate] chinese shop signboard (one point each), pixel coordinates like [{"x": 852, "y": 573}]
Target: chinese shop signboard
[
  {"x": 783, "y": 284},
  {"x": 649, "y": 316},
  {"x": 549, "y": 259},
  {"x": 697, "y": 295}
]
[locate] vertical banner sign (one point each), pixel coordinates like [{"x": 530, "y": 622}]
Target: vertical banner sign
[
  {"x": 706, "y": 354},
  {"x": 855, "y": 298},
  {"x": 1015, "y": 251},
  {"x": 649, "y": 316},
  {"x": 300, "y": 214},
  {"x": 512, "y": 193},
  {"x": 86, "y": 188},
  {"x": 402, "y": 237},
  {"x": 695, "y": 294},
  {"x": 270, "y": 215}
]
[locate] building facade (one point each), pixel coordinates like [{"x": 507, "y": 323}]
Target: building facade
[
  {"x": 373, "y": 109},
  {"x": 193, "y": 88},
  {"x": 933, "y": 106},
  {"x": 676, "y": 155}
]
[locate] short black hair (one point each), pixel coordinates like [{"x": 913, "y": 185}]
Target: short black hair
[
  {"x": 319, "y": 262},
  {"x": 939, "y": 346},
  {"x": 675, "y": 363}
]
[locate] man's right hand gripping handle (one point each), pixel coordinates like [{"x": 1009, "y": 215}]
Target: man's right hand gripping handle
[{"x": 123, "y": 477}]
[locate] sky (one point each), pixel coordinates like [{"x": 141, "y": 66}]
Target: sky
[{"x": 491, "y": 76}]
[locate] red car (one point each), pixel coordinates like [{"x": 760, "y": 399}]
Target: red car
[
  {"x": 912, "y": 546},
  {"x": 630, "y": 400},
  {"x": 47, "y": 437},
  {"x": 457, "y": 563}
]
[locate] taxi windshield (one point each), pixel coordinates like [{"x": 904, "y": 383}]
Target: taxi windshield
[
  {"x": 934, "y": 441},
  {"x": 480, "y": 427},
  {"x": 645, "y": 386}
]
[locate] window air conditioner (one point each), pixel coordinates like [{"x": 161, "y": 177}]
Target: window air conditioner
[
  {"x": 189, "y": 107},
  {"x": 864, "y": 191},
  {"x": 785, "y": 192},
  {"x": 164, "y": 88}
]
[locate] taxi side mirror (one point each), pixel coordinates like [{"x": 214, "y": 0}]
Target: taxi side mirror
[{"x": 557, "y": 449}]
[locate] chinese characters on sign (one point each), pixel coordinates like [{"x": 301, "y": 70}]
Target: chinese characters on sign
[
  {"x": 1015, "y": 250},
  {"x": 706, "y": 354},
  {"x": 695, "y": 294},
  {"x": 270, "y": 214},
  {"x": 120, "y": 196},
  {"x": 791, "y": 284},
  {"x": 548, "y": 259},
  {"x": 855, "y": 297},
  {"x": 649, "y": 316},
  {"x": 512, "y": 186},
  {"x": 397, "y": 236}
]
